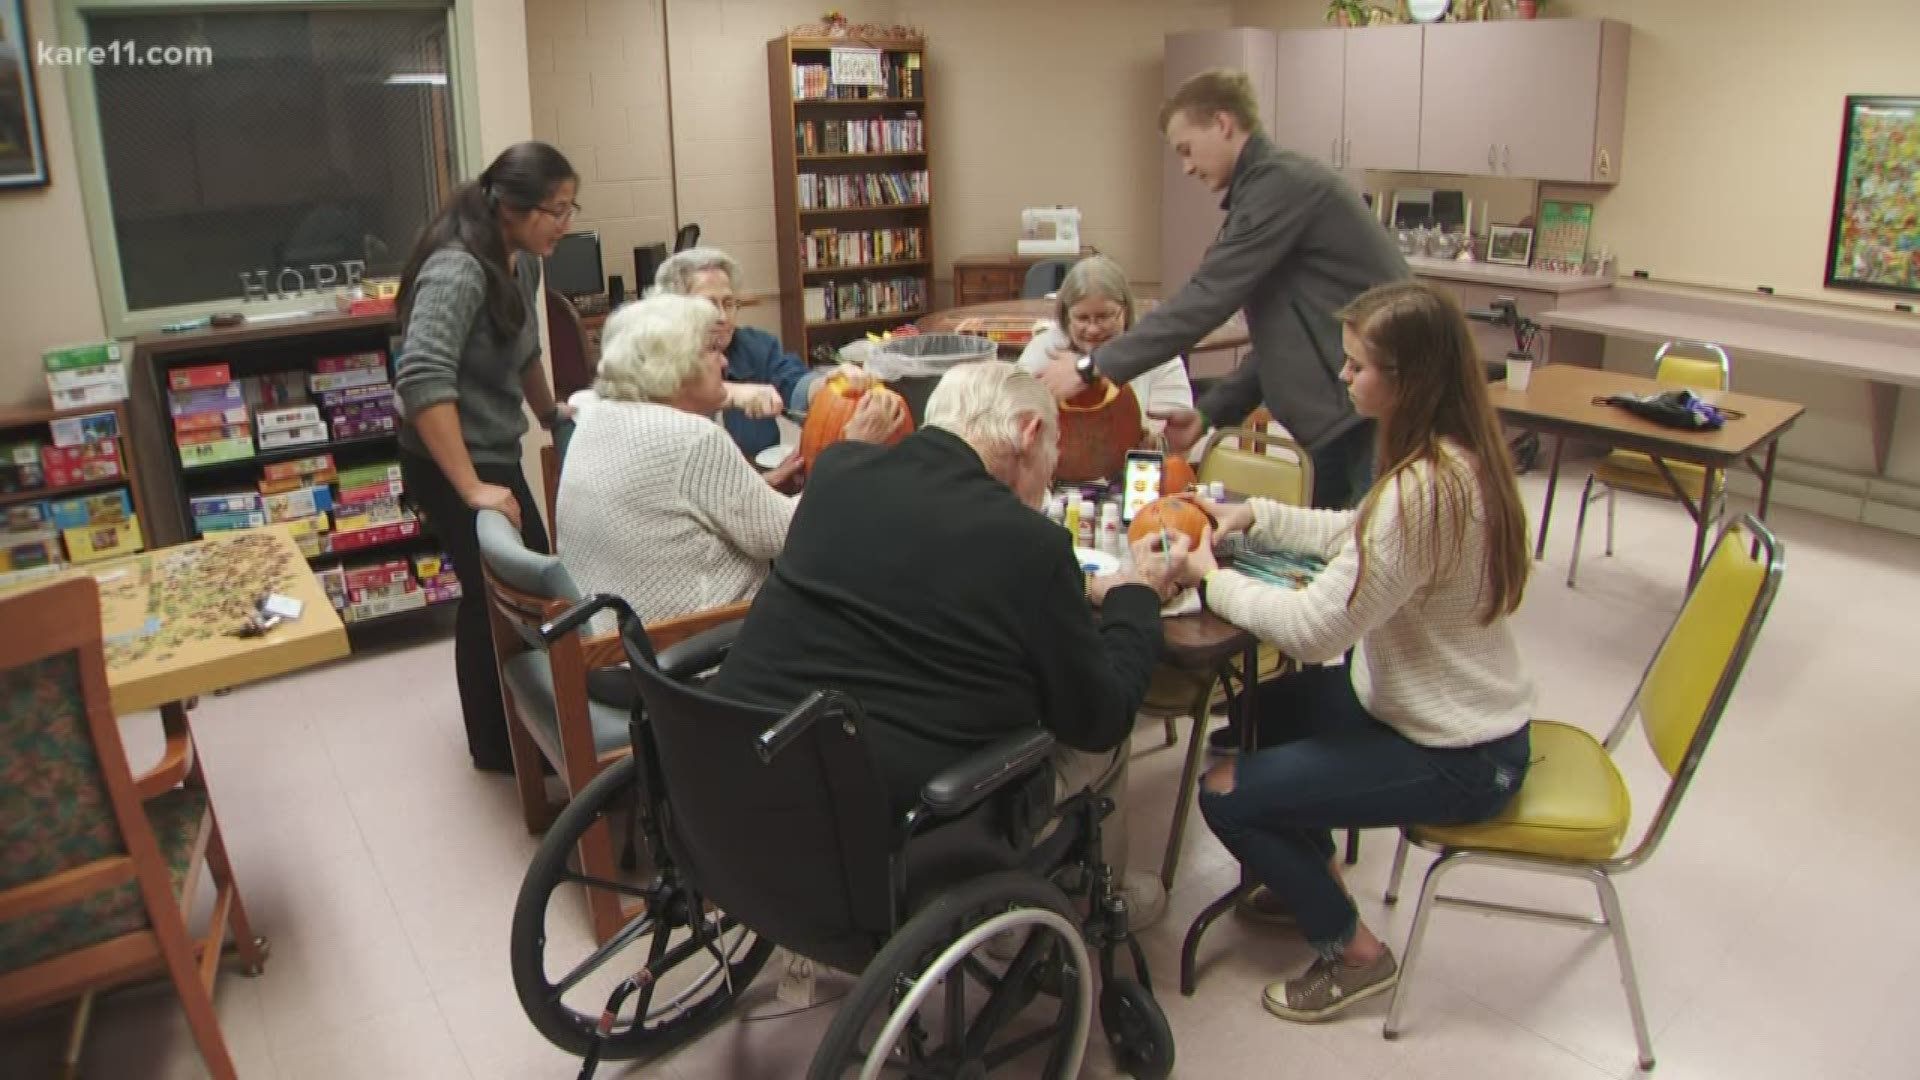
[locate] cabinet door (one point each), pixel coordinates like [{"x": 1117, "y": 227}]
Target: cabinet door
[
  {"x": 1382, "y": 98},
  {"x": 1461, "y": 90},
  {"x": 1551, "y": 79},
  {"x": 1309, "y": 69}
]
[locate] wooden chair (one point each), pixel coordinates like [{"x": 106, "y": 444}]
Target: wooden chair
[
  {"x": 567, "y": 703},
  {"x": 98, "y": 882}
]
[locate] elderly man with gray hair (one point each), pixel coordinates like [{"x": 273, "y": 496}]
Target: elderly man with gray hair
[
  {"x": 924, "y": 581},
  {"x": 763, "y": 380}
]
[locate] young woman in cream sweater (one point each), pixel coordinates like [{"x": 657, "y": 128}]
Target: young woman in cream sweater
[{"x": 1428, "y": 722}]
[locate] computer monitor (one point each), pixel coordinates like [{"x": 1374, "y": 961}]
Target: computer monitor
[{"x": 574, "y": 267}]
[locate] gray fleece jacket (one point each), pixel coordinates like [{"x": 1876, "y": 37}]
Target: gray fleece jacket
[
  {"x": 448, "y": 352},
  {"x": 1297, "y": 246}
]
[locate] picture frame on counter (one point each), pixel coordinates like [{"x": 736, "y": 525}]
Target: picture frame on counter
[
  {"x": 23, "y": 153},
  {"x": 1510, "y": 245}
]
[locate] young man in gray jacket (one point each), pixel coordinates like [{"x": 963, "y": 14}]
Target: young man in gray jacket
[{"x": 1296, "y": 247}]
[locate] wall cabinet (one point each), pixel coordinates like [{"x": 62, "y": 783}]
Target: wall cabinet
[{"x": 1349, "y": 98}]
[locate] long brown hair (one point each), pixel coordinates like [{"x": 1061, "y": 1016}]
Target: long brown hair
[
  {"x": 521, "y": 178},
  {"x": 1417, "y": 334}
]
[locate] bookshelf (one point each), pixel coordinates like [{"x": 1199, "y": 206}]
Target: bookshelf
[
  {"x": 275, "y": 367},
  {"x": 68, "y": 488},
  {"x": 853, "y": 204}
]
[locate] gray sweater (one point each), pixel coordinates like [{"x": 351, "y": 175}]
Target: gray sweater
[
  {"x": 448, "y": 352},
  {"x": 1297, "y": 245}
]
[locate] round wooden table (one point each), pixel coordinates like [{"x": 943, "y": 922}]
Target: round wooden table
[{"x": 1231, "y": 334}]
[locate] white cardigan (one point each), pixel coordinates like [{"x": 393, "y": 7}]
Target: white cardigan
[
  {"x": 659, "y": 507},
  {"x": 1425, "y": 666},
  {"x": 1163, "y": 387}
]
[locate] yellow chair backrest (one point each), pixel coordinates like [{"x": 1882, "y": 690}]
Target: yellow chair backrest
[
  {"x": 1244, "y": 460},
  {"x": 1693, "y": 673},
  {"x": 1702, "y": 366}
]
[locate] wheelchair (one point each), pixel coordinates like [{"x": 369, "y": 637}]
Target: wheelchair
[{"x": 766, "y": 828}]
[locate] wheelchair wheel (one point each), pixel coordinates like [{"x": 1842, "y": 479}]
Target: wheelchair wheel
[
  {"x": 935, "y": 1002},
  {"x": 696, "y": 962},
  {"x": 1137, "y": 1030}
]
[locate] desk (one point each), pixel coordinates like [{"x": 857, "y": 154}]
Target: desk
[
  {"x": 1883, "y": 351},
  {"x": 1231, "y": 334},
  {"x": 1559, "y": 402}
]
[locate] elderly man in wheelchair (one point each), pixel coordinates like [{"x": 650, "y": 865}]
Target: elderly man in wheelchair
[{"x": 906, "y": 768}]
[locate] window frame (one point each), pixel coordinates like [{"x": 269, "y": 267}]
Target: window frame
[{"x": 83, "y": 110}]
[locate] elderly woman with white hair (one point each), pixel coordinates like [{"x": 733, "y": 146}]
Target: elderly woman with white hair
[
  {"x": 1094, "y": 305},
  {"x": 922, "y": 580},
  {"x": 655, "y": 503},
  {"x": 763, "y": 380}
]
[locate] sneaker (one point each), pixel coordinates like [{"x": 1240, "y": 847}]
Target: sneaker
[
  {"x": 1224, "y": 741},
  {"x": 1330, "y": 986},
  {"x": 1262, "y": 906},
  {"x": 1146, "y": 899}
]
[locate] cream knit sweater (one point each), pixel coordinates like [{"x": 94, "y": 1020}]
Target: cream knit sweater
[
  {"x": 1426, "y": 666},
  {"x": 658, "y": 506}
]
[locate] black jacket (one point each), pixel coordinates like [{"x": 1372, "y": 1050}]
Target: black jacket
[{"x": 955, "y": 614}]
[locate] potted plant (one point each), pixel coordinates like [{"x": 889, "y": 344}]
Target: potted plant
[
  {"x": 1527, "y": 9},
  {"x": 1347, "y": 12}
]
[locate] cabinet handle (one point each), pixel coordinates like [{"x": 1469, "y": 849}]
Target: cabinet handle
[
  {"x": 1333, "y": 152},
  {"x": 1491, "y": 149},
  {"x": 1506, "y": 158},
  {"x": 1606, "y": 163},
  {"x": 1346, "y": 153}
]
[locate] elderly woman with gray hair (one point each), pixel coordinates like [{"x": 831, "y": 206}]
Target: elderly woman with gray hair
[
  {"x": 1093, "y": 306},
  {"x": 655, "y": 503},
  {"x": 762, "y": 379}
]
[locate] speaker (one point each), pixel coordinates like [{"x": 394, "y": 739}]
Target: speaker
[
  {"x": 646, "y": 263},
  {"x": 616, "y": 291}
]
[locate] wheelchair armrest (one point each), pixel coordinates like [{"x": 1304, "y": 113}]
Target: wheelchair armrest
[
  {"x": 701, "y": 652},
  {"x": 963, "y": 786}
]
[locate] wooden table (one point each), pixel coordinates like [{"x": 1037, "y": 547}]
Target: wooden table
[
  {"x": 1559, "y": 401},
  {"x": 1231, "y": 334},
  {"x": 166, "y": 616}
]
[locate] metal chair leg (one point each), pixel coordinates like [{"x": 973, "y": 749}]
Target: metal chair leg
[
  {"x": 1610, "y": 502},
  {"x": 1353, "y": 847},
  {"x": 1580, "y": 530},
  {"x": 1617, "y": 927},
  {"x": 1415, "y": 935},
  {"x": 77, "y": 1037},
  {"x": 1399, "y": 868}
]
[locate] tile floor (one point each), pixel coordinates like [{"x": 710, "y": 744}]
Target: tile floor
[{"x": 1767, "y": 929}]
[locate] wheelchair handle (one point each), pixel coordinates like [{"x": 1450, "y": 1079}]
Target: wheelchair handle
[
  {"x": 572, "y": 618},
  {"x": 785, "y": 730}
]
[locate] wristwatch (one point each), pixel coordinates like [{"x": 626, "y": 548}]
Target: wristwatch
[{"x": 1088, "y": 373}]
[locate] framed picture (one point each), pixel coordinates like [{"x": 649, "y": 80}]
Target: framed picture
[
  {"x": 23, "y": 154},
  {"x": 1509, "y": 245},
  {"x": 1875, "y": 240}
]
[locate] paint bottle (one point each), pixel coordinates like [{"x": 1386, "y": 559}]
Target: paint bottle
[
  {"x": 1070, "y": 517},
  {"x": 1085, "y": 525},
  {"x": 1112, "y": 537}
]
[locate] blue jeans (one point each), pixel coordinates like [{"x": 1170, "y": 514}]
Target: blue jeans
[{"x": 1345, "y": 769}]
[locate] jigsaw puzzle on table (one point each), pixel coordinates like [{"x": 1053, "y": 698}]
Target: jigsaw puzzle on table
[
  {"x": 999, "y": 329},
  {"x": 154, "y": 605}
]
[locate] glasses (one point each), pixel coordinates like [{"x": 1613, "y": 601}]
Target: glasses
[
  {"x": 1093, "y": 319},
  {"x": 727, "y": 305},
  {"x": 562, "y": 213}
]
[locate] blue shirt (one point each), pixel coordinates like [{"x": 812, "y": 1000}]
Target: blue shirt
[{"x": 755, "y": 356}]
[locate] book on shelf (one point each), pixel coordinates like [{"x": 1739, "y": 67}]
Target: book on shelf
[
  {"x": 871, "y": 298},
  {"x": 823, "y": 191},
  {"x": 874, "y": 135},
  {"x": 901, "y": 74},
  {"x": 825, "y": 249}
]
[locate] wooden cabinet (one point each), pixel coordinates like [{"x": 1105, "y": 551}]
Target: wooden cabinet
[
  {"x": 1533, "y": 99},
  {"x": 983, "y": 279},
  {"x": 1306, "y": 118},
  {"x": 1381, "y": 92}
]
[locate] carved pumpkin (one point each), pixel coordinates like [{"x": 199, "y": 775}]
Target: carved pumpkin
[
  {"x": 1176, "y": 475},
  {"x": 1097, "y": 428},
  {"x": 1175, "y": 514},
  {"x": 833, "y": 407}
]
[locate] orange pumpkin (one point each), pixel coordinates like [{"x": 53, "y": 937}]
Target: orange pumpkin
[
  {"x": 1173, "y": 514},
  {"x": 1097, "y": 428},
  {"x": 833, "y": 407},
  {"x": 1176, "y": 476}
]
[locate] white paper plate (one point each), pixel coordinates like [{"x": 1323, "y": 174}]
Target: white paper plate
[
  {"x": 772, "y": 456},
  {"x": 1095, "y": 561}
]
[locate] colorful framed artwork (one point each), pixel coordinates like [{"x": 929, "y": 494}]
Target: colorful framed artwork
[
  {"x": 1509, "y": 245},
  {"x": 1875, "y": 239},
  {"x": 1564, "y": 229},
  {"x": 23, "y": 153}
]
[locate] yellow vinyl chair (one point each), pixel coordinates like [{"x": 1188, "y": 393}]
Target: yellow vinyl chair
[
  {"x": 1695, "y": 365},
  {"x": 1571, "y": 814},
  {"x": 1253, "y": 464}
]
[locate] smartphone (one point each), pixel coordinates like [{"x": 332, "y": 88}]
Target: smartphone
[{"x": 1144, "y": 468}]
